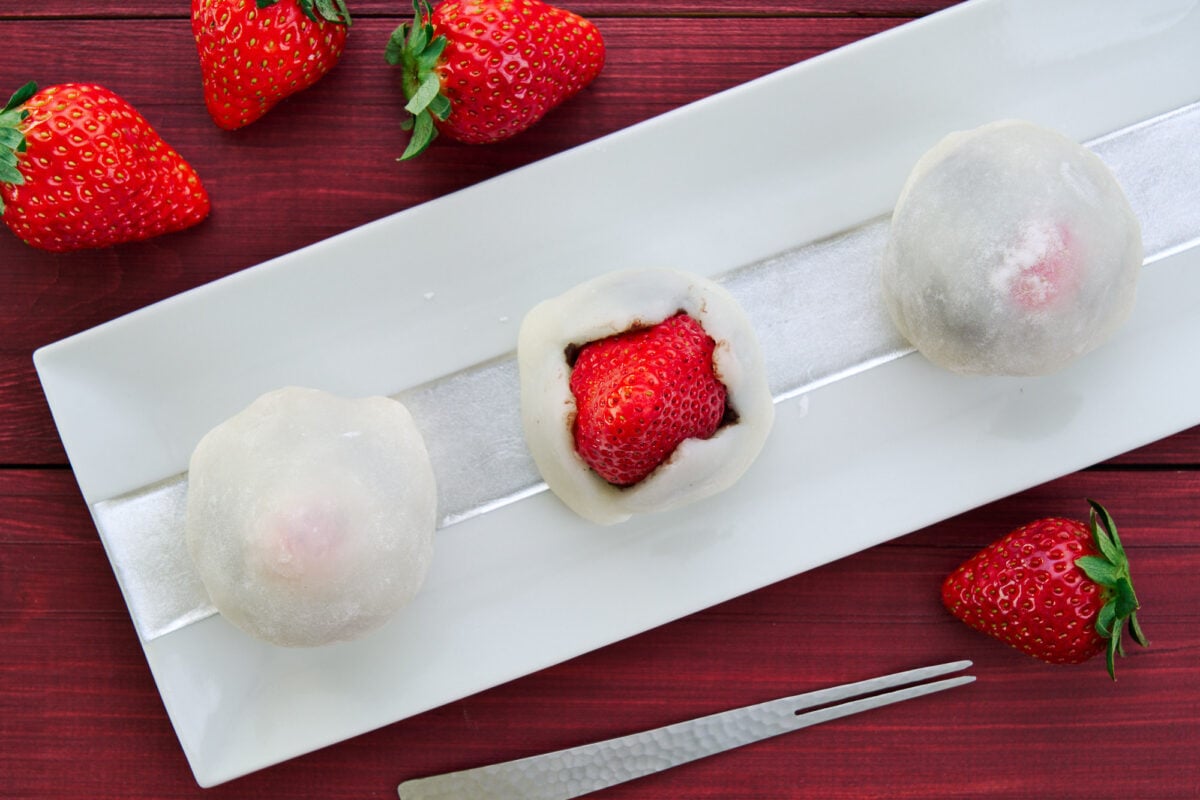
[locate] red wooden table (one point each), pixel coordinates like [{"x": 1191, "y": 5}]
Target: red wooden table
[{"x": 79, "y": 713}]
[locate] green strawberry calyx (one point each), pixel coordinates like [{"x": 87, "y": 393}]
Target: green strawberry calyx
[
  {"x": 417, "y": 49},
  {"x": 1110, "y": 571},
  {"x": 12, "y": 137},
  {"x": 334, "y": 11}
]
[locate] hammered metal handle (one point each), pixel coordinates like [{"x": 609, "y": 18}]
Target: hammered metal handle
[{"x": 565, "y": 774}]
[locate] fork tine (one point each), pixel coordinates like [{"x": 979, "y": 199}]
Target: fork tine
[
  {"x": 846, "y": 691},
  {"x": 850, "y": 707}
]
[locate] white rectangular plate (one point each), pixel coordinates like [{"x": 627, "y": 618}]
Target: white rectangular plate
[{"x": 787, "y": 159}]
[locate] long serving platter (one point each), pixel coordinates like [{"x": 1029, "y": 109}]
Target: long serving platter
[{"x": 525, "y": 584}]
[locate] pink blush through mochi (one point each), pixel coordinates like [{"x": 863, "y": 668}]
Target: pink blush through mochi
[
  {"x": 1012, "y": 251},
  {"x": 310, "y": 517}
]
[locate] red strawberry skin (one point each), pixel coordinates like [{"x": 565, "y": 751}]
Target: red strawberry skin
[
  {"x": 251, "y": 57},
  {"x": 96, "y": 174},
  {"x": 1027, "y": 591},
  {"x": 498, "y": 66},
  {"x": 508, "y": 62},
  {"x": 640, "y": 393}
]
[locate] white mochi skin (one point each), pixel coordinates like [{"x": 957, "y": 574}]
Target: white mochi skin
[
  {"x": 310, "y": 517},
  {"x": 1012, "y": 251}
]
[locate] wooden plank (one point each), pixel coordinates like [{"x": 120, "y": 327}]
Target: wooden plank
[
  {"x": 1180, "y": 450},
  {"x": 79, "y": 713},
  {"x": 267, "y": 201},
  {"x": 398, "y": 10},
  {"x": 27, "y": 432},
  {"x": 77, "y": 702}
]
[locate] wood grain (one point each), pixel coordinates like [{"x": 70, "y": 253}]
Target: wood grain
[
  {"x": 398, "y": 10},
  {"x": 259, "y": 187},
  {"x": 76, "y": 687},
  {"x": 267, "y": 202},
  {"x": 79, "y": 713}
]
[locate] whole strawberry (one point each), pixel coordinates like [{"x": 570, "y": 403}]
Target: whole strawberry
[
  {"x": 480, "y": 71},
  {"x": 1056, "y": 589},
  {"x": 80, "y": 168},
  {"x": 640, "y": 393},
  {"x": 254, "y": 53}
]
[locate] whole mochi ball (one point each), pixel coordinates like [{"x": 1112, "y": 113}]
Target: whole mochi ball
[
  {"x": 1012, "y": 251},
  {"x": 310, "y": 517}
]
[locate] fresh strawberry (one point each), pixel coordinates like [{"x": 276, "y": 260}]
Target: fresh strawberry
[
  {"x": 640, "y": 393},
  {"x": 254, "y": 53},
  {"x": 79, "y": 168},
  {"x": 1056, "y": 589},
  {"x": 480, "y": 71}
]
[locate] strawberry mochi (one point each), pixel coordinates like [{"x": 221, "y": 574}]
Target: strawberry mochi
[
  {"x": 1012, "y": 251},
  {"x": 310, "y": 517},
  {"x": 678, "y": 320}
]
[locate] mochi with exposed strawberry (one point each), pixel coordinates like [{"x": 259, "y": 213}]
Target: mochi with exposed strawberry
[
  {"x": 310, "y": 517},
  {"x": 641, "y": 391},
  {"x": 1012, "y": 251}
]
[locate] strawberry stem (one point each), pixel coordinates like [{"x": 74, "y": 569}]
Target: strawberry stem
[
  {"x": 334, "y": 11},
  {"x": 1110, "y": 571},
  {"x": 417, "y": 49},
  {"x": 12, "y": 138}
]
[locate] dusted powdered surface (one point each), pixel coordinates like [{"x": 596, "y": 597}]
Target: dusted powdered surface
[
  {"x": 611, "y": 304},
  {"x": 310, "y": 517},
  {"x": 1012, "y": 252}
]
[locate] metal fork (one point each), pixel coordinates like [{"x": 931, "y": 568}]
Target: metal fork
[{"x": 565, "y": 774}]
